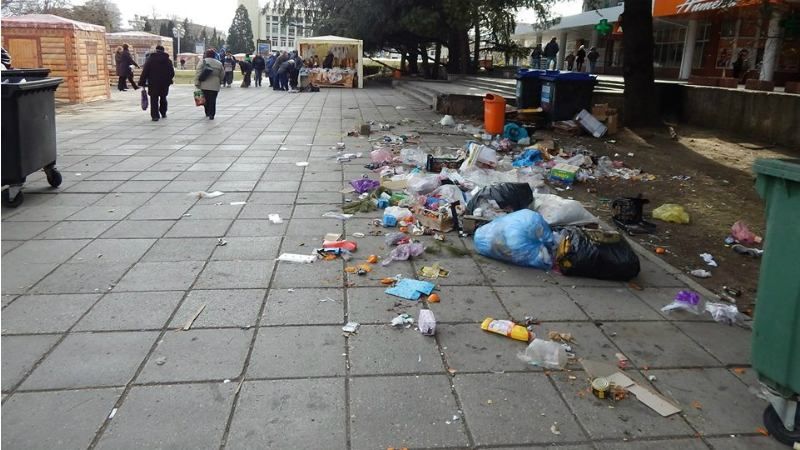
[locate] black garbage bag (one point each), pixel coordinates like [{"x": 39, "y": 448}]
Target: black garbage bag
[
  {"x": 509, "y": 196},
  {"x": 604, "y": 255}
]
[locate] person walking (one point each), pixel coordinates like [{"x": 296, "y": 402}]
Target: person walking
[
  {"x": 536, "y": 57},
  {"x": 157, "y": 75},
  {"x": 229, "y": 63},
  {"x": 258, "y": 66},
  {"x": 247, "y": 68},
  {"x": 551, "y": 53},
  {"x": 124, "y": 70},
  {"x": 580, "y": 56},
  {"x": 210, "y": 77},
  {"x": 593, "y": 56},
  {"x": 570, "y": 59}
]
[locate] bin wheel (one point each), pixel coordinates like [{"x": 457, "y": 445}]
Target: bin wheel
[
  {"x": 53, "y": 177},
  {"x": 12, "y": 203},
  {"x": 774, "y": 424}
]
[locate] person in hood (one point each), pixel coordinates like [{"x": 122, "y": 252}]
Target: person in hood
[
  {"x": 259, "y": 64},
  {"x": 157, "y": 75}
]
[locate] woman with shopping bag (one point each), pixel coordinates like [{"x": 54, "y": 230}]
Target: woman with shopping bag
[{"x": 208, "y": 78}]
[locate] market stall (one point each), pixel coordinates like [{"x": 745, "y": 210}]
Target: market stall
[{"x": 345, "y": 66}]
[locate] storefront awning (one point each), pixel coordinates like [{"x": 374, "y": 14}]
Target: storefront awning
[
  {"x": 663, "y": 8},
  {"x": 589, "y": 18}
]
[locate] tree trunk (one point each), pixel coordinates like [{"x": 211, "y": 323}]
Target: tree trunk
[
  {"x": 413, "y": 55},
  {"x": 437, "y": 59},
  {"x": 641, "y": 104},
  {"x": 476, "y": 59},
  {"x": 426, "y": 68},
  {"x": 403, "y": 59},
  {"x": 464, "y": 48}
]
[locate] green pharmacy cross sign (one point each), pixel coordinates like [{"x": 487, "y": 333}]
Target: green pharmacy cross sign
[{"x": 603, "y": 27}]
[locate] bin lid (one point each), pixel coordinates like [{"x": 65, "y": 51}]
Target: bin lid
[
  {"x": 13, "y": 85},
  {"x": 788, "y": 169},
  {"x": 569, "y": 76},
  {"x": 26, "y": 73}
]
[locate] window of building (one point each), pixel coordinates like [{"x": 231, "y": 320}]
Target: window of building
[
  {"x": 274, "y": 42},
  {"x": 291, "y": 42},
  {"x": 91, "y": 58},
  {"x": 703, "y": 33},
  {"x": 668, "y": 49},
  {"x": 283, "y": 42}
]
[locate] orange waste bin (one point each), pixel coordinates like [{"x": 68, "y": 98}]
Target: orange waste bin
[
  {"x": 494, "y": 113},
  {"x": 396, "y": 74}
]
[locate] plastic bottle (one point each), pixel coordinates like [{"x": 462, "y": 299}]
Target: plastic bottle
[
  {"x": 507, "y": 328},
  {"x": 547, "y": 354}
]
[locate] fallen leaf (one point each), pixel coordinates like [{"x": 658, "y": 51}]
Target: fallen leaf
[
  {"x": 697, "y": 405},
  {"x": 739, "y": 370},
  {"x": 762, "y": 430}
]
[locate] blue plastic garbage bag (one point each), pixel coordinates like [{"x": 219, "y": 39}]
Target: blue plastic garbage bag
[
  {"x": 514, "y": 132},
  {"x": 527, "y": 158},
  {"x": 522, "y": 238}
]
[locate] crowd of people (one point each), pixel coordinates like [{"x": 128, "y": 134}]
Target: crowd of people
[{"x": 574, "y": 60}]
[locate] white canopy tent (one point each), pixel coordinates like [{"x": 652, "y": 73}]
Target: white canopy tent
[{"x": 306, "y": 45}]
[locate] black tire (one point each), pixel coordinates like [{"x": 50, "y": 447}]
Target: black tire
[
  {"x": 54, "y": 177},
  {"x": 12, "y": 203},
  {"x": 774, "y": 425}
]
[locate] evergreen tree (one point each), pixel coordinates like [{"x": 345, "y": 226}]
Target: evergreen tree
[
  {"x": 188, "y": 39},
  {"x": 162, "y": 30},
  {"x": 240, "y": 34},
  {"x": 147, "y": 26}
]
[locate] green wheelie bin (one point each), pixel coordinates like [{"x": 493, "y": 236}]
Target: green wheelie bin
[{"x": 776, "y": 329}]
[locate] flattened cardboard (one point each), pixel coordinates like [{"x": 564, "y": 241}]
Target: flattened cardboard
[{"x": 653, "y": 400}]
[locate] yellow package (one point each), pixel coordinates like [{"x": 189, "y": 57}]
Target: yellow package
[{"x": 670, "y": 212}]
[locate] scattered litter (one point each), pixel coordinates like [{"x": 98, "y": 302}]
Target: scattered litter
[
  {"x": 426, "y": 322},
  {"x": 221, "y": 242},
  {"x": 226, "y": 381},
  {"x": 709, "y": 259},
  {"x": 297, "y": 258},
  {"x": 565, "y": 338},
  {"x": 700, "y": 273},
  {"x": 546, "y": 354},
  {"x": 697, "y": 405},
  {"x": 403, "y": 320},
  {"x": 351, "y": 327},
  {"x": 327, "y": 299},
  {"x": 433, "y": 272},
  {"x": 275, "y": 218},
  {"x": 182, "y": 215},
  {"x": 237, "y": 203},
  {"x": 670, "y": 212},
  {"x": 335, "y": 215},
  {"x": 447, "y": 121},
  {"x": 358, "y": 235},
  {"x": 161, "y": 360},
  {"x": 741, "y": 232},
  {"x": 204, "y": 194},
  {"x": 507, "y": 328},
  {"x": 434, "y": 298},
  {"x": 652, "y": 400},
  {"x": 194, "y": 317},
  {"x": 685, "y": 301},
  {"x": 747, "y": 251},
  {"x": 554, "y": 428},
  {"x": 403, "y": 252},
  {"x": 410, "y": 289},
  {"x": 112, "y": 414},
  {"x": 332, "y": 236},
  {"x": 301, "y": 163},
  {"x": 651, "y": 378},
  {"x": 724, "y": 313}
]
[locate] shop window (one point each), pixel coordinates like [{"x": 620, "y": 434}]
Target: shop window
[
  {"x": 703, "y": 33},
  {"x": 668, "y": 49}
]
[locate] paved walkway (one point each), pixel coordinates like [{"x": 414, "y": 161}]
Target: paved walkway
[{"x": 98, "y": 276}]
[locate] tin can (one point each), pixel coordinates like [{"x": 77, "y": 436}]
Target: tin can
[{"x": 600, "y": 387}]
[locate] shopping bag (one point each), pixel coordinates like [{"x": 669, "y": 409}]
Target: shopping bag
[
  {"x": 144, "y": 99},
  {"x": 199, "y": 98}
]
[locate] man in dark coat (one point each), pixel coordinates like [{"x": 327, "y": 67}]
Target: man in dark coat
[
  {"x": 124, "y": 70},
  {"x": 157, "y": 75},
  {"x": 271, "y": 70},
  {"x": 283, "y": 74},
  {"x": 327, "y": 63},
  {"x": 280, "y": 62},
  {"x": 258, "y": 66},
  {"x": 247, "y": 68},
  {"x": 551, "y": 52}
]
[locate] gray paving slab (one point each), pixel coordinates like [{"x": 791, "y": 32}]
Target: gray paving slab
[
  {"x": 92, "y": 360},
  {"x": 45, "y": 251},
  {"x": 745, "y": 443},
  {"x": 61, "y": 419},
  {"x": 46, "y": 313},
  {"x": 235, "y": 275},
  {"x": 304, "y": 306},
  {"x": 223, "y": 308},
  {"x": 467, "y": 348},
  {"x": 381, "y": 349},
  {"x": 160, "y": 276},
  {"x": 657, "y": 344},
  {"x": 540, "y": 302},
  {"x": 611, "y": 303},
  {"x": 370, "y": 305},
  {"x": 422, "y": 405},
  {"x": 316, "y": 351},
  {"x": 197, "y": 355},
  {"x": 181, "y": 249},
  {"x": 731, "y": 345},
  {"x": 312, "y": 415},
  {"x": 171, "y": 416},
  {"x": 131, "y": 311},
  {"x": 689, "y": 444},
  {"x": 77, "y": 229},
  {"x": 20, "y": 353}
]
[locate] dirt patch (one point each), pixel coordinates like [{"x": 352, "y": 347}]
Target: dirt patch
[{"x": 713, "y": 181}]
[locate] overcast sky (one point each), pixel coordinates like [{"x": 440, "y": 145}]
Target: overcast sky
[{"x": 220, "y": 13}]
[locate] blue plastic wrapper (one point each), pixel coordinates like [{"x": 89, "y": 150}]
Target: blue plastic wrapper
[
  {"x": 528, "y": 158},
  {"x": 522, "y": 238}
]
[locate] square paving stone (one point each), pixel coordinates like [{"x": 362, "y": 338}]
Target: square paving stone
[
  {"x": 317, "y": 274},
  {"x": 248, "y": 227},
  {"x": 52, "y": 214},
  {"x": 465, "y": 304},
  {"x": 139, "y": 229},
  {"x": 293, "y": 352},
  {"x": 628, "y": 419},
  {"x": 46, "y": 313},
  {"x": 181, "y": 249},
  {"x": 652, "y": 275},
  {"x": 611, "y": 304},
  {"x": 373, "y": 305},
  {"x": 381, "y": 349},
  {"x": 235, "y": 275},
  {"x": 45, "y": 251},
  {"x": 62, "y": 419},
  {"x": 731, "y": 345},
  {"x": 20, "y": 353},
  {"x": 96, "y": 212},
  {"x": 196, "y": 355},
  {"x": 420, "y": 405},
  {"x": 22, "y": 230},
  {"x": 141, "y": 186},
  {"x": 92, "y": 359},
  {"x": 247, "y": 249},
  {"x": 319, "y": 198},
  {"x": 589, "y": 340},
  {"x": 319, "y": 226},
  {"x": 160, "y": 276},
  {"x": 379, "y": 272},
  {"x": 467, "y": 348},
  {"x": 499, "y": 273},
  {"x": 207, "y": 212},
  {"x": 224, "y": 308},
  {"x": 77, "y": 229},
  {"x": 726, "y": 407},
  {"x": 303, "y": 414},
  {"x": 277, "y": 186},
  {"x": 745, "y": 443},
  {"x": 18, "y": 278},
  {"x": 687, "y": 444},
  {"x": 304, "y": 306},
  {"x": 177, "y": 416},
  {"x": 272, "y": 198},
  {"x": 234, "y": 186},
  {"x": 159, "y": 212},
  {"x": 543, "y": 303},
  {"x": 508, "y": 409},
  {"x": 131, "y": 311},
  {"x": 199, "y": 228},
  {"x": 262, "y": 212},
  {"x": 657, "y": 344},
  {"x": 113, "y": 250}
]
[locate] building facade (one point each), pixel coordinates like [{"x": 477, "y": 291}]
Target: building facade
[
  {"x": 272, "y": 27},
  {"x": 694, "y": 37}
]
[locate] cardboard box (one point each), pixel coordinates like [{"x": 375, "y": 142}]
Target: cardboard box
[
  {"x": 590, "y": 124},
  {"x": 564, "y": 173},
  {"x": 612, "y": 124},
  {"x": 600, "y": 111},
  {"x": 435, "y": 220},
  {"x": 567, "y": 127},
  {"x": 471, "y": 223}
]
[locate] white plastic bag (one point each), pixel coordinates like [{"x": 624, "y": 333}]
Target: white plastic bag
[
  {"x": 447, "y": 121},
  {"x": 414, "y": 157},
  {"x": 449, "y": 193},
  {"x": 426, "y": 322},
  {"x": 422, "y": 184},
  {"x": 561, "y": 211}
]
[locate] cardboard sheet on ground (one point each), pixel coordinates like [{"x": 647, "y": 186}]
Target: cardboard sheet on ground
[
  {"x": 649, "y": 398},
  {"x": 410, "y": 289}
]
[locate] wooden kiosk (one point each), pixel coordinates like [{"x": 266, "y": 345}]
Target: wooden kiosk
[{"x": 348, "y": 61}]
